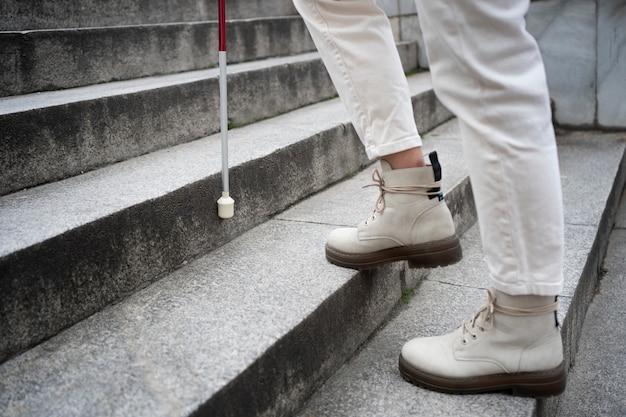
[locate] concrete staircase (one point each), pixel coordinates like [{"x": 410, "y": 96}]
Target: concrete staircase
[{"x": 122, "y": 292}]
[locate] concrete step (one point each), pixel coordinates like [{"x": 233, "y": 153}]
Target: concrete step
[
  {"x": 242, "y": 330},
  {"x": 596, "y": 380},
  {"x": 61, "y": 14},
  {"x": 593, "y": 171},
  {"x": 58, "y": 134},
  {"x": 56, "y": 59},
  {"x": 252, "y": 328},
  {"x": 72, "y": 247}
]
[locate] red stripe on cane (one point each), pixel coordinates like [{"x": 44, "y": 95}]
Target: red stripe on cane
[{"x": 222, "y": 24}]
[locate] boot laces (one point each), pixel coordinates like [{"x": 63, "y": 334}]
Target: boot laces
[
  {"x": 415, "y": 189},
  {"x": 486, "y": 313},
  {"x": 483, "y": 319}
]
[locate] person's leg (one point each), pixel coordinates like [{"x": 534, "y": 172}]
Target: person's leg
[
  {"x": 411, "y": 221},
  {"x": 355, "y": 42},
  {"x": 488, "y": 70}
]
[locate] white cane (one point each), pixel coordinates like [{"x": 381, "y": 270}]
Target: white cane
[{"x": 225, "y": 205}]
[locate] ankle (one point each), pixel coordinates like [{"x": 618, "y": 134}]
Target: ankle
[{"x": 410, "y": 158}]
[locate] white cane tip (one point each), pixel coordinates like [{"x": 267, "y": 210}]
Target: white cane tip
[{"x": 225, "y": 206}]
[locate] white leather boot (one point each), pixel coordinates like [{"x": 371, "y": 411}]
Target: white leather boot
[
  {"x": 511, "y": 343},
  {"x": 410, "y": 222}
]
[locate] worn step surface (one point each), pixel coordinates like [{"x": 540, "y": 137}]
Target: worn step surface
[
  {"x": 62, "y": 14},
  {"x": 596, "y": 381},
  {"x": 370, "y": 384},
  {"x": 255, "y": 326},
  {"x": 55, "y": 59},
  {"x": 57, "y": 134},
  {"x": 70, "y": 248},
  {"x": 252, "y": 328},
  {"x": 54, "y": 135}
]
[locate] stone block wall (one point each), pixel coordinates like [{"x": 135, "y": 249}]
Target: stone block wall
[
  {"x": 405, "y": 25},
  {"x": 583, "y": 43}
]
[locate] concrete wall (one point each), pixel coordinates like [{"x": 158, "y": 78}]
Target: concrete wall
[
  {"x": 405, "y": 24},
  {"x": 583, "y": 43},
  {"x": 611, "y": 69}
]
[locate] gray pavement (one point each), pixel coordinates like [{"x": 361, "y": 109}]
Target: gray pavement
[{"x": 598, "y": 378}]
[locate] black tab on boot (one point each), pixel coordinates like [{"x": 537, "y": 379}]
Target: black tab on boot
[{"x": 434, "y": 160}]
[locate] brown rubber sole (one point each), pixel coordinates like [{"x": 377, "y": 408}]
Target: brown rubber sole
[
  {"x": 527, "y": 384},
  {"x": 427, "y": 255}
]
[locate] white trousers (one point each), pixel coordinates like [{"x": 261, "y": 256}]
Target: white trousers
[{"x": 487, "y": 69}]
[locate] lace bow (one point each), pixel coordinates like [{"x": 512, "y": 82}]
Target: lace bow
[{"x": 417, "y": 189}]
